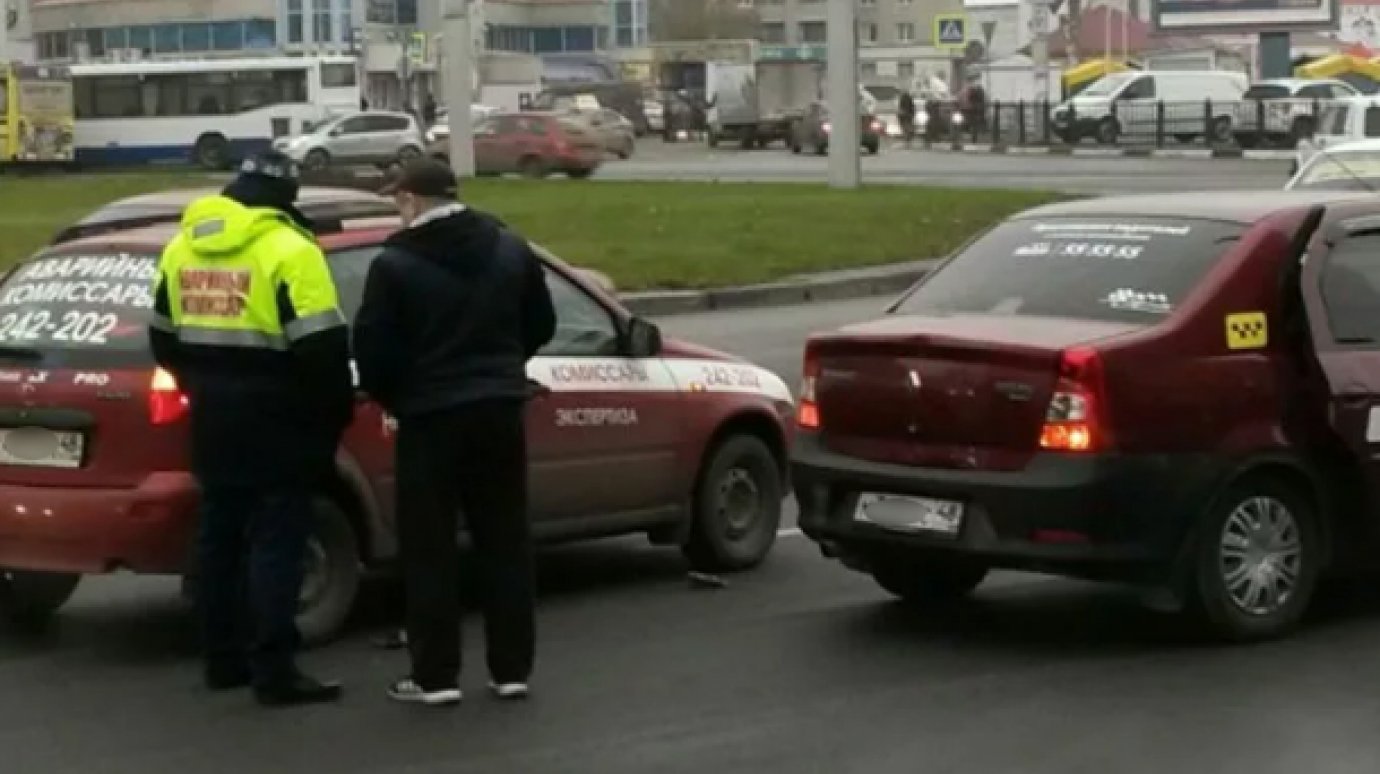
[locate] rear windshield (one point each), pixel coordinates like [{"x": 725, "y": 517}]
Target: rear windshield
[
  {"x": 1266, "y": 91},
  {"x": 79, "y": 303},
  {"x": 1114, "y": 269},
  {"x": 1341, "y": 171}
]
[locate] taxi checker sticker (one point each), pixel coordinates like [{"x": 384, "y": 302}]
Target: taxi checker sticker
[{"x": 1247, "y": 330}]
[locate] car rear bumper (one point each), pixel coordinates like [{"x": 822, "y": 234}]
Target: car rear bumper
[
  {"x": 1112, "y": 517},
  {"x": 147, "y": 529}
]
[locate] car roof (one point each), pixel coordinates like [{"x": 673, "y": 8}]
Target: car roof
[
  {"x": 181, "y": 197},
  {"x": 1231, "y": 206}
]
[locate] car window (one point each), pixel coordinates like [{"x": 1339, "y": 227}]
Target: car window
[
  {"x": 1351, "y": 290},
  {"x": 1342, "y": 91},
  {"x": 1372, "y": 122},
  {"x": 584, "y": 327},
  {"x": 391, "y": 123},
  {"x": 1141, "y": 89},
  {"x": 506, "y": 125},
  {"x": 1116, "y": 269},
  {"x": 94, "y": 302},
  {"x": 1315, "y": 91},
  {"x": 349, "y": 270},
  {"x": 535, "y": 127},
  {"x": 356, "y": 125},
  {"x": 1266, "y": 91}
]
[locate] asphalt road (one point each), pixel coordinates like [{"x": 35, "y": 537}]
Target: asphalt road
[
  {"x": 1091, "y": 175},
  {"x": 798, "y": 667}
]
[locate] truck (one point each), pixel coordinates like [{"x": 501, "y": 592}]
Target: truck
[
  {"x": 36, "y": 116},
  {"x": 757, "y": 104}
]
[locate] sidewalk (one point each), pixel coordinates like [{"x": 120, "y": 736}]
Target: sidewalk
[{"x": 1103, "y": 152}]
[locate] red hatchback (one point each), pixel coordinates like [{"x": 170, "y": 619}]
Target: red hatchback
[
  {"x": 532, "y": 145},
  {"x": 636, "y": 435},
  {"x": 1181, "y": 392}
]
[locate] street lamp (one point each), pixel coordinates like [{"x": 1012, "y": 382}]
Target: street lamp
[{"x": 459, "y": 85}]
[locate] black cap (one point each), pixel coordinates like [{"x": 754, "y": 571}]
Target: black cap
[
  {"x": 271, "y": 164},
  {"x": 424, "y": 177}
]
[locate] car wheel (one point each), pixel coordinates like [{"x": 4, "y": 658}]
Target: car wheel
[
  {"x": 331, "y": 581},
  {"x": 532, "y": 168},
  {"x": 579, "y": 174},
  {"x": 737, "y": 506},
  {"x": 1220, "y": 130},
  {"x": 1256, "y": 561},
  {"x": 795, "y": 147},
  {"x": 873, "y": 148},
  {"x": 1184, "y": 139},
  {"x": 712, "y": 138},
  {"x": 1108, "y": 131},
  {"x": 212, "y": 151},
  {"x": 921, "y": 581},
  {"x": 1302, "y": 129},
  {"x": 822, "y": 149},
  {"x": 1247, "y": 141},
  {"x": 316, "y": 161},
  {"x": 32, "y": 598},
  {"x": 409, "y": 153}
]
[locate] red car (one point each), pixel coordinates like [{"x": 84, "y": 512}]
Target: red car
[
  {"x": 532, "y": 145},
  {"x": 636, "y": 435},
  {"x": 1180, "y": 392}
]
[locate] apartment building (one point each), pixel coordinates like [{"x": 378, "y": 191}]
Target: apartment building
[{"x": 895, "y": 37}]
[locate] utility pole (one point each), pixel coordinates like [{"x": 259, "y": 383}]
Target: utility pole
[
  {"x": 6, "y": 9},
  {"x": 459, "y": 79},
  {"x": 842, "y": 79}
]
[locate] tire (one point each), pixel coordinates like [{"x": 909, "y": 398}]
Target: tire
[
  {"x": 1108, "y": 131},
  {"x": 1247, "y": 141},
  {"x": 316, "y": 161},
  {"x": 795, "y": 147},
  {"x": 1184, "y": 139},
  {"x": 409, "y": 153},
  {"x": 932, "y": 582},
  {"x": 333, "y": 575},
  {"x": 212, "y": 151},
  {"x": 532, "y": 168},
  {"x": 821, "y": 149},
  {"x": 1220, "y": 130},
  {"x": 712, "y": 138},
  {"x": 873, "y": 148},
  {"x": 1257, "y": 606},
  {"x": 579, "y": 174},
  {"x": 32, "y": 598},
  {"x": 737, "y": 506}
]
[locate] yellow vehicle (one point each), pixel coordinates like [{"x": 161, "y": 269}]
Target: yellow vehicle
[
  {"x": 1363, "y": 74},
  {"x": 37, "y": 115},
  {"x": 1085, "y": 74}
]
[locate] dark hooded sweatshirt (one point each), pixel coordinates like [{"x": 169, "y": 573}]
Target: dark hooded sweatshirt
[{"x": 453, "y": 309}]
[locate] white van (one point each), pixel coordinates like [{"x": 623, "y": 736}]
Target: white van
[
  {"x": 1127, "y": 103},
  {"x": 1343, "y": 121}
]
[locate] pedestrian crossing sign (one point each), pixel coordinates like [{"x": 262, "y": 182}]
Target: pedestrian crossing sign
[{"x": 950, "y": 30}]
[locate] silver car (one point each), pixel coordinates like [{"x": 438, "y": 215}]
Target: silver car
[{"x": 375, "y": 137}]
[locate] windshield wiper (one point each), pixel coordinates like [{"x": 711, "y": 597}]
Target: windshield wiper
[{"x": 20, "y": 353}]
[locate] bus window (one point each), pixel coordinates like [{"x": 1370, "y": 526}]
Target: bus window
[
  {"x": 253, "y": 90},
  {"x": 335, "y": 76},
  {"x": 208, "y": 94},
  {"x": 292, "y": 85},
  {"x": 116, "y": 96}
]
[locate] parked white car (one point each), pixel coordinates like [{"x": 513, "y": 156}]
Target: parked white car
[
  {"x": 1344, "y": 121},
  {"x": 1345, "y": 166},
  {"x": 1285, "y": 110},
  {"x": 374, "y": 137}
]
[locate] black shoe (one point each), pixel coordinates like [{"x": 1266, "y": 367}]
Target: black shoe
[
  {"x": 228, "y": 679},
  {"x": 298, "y": 691}
]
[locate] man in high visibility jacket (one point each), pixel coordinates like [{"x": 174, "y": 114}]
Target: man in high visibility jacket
[{"x": 246, "y": 319}]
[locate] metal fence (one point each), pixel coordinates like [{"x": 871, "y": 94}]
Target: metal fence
[{"x": 1246, "y": 124}]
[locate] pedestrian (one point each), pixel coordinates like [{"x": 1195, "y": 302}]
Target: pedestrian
[
  {"x": 429, "y": 110},
  {"x": 246, "y": 320},
  {"x": 905, "y": 114},
  {"x": 453, "y": 309}
]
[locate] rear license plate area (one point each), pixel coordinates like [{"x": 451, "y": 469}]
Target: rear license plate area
[
  {"x": 903, "y": 513},
  {"x": 39, "y": 447}
]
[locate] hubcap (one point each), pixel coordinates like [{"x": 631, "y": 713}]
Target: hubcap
[
  {"x": 1261, "y": 555},
  {"x": 739, "y": 502},
  {"x": 315, "y": 575}
]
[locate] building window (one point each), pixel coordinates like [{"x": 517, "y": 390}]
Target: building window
[
  {"x": 141, "y": 38},
  {"x": 116, "y": 38},
  {"x": 905, "y": 32},
  {"x": 227, "y": 36},
  {"x": 167, "y": 38},
  {"x": 381, "y": 12},
  {"x": 321, "y": 21},
  {"x": 772, "y": 32},
  {"x": 906, "y": 70},
  {"x": 579, "y": 39},
  {"x": 407, "y": 11},
  {"x": 296, "y": 29},
  {"x": 260, "y": 34},
  {"x": 869, "y": 33},
  {"x": 347, "y": 21},
  {"x": 196, "y": 37},
  {"x": 812, "y": 32}
]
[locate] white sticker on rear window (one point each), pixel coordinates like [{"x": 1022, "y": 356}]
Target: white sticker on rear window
[
  {"x": 79, "y": 302},
  {"x": 1131, "y": 300}
]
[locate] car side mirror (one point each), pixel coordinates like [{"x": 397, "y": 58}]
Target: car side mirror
[{"x": 644, "y": 338}]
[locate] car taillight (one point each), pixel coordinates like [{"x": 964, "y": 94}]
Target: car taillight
[
  {"x": 827, "y": 128},
  {"x": 807, "y": 413},
  {"x": 1073, "y": 421},
  {"x": 167, "y": 402},
  {"x": 877, "y": 126}
]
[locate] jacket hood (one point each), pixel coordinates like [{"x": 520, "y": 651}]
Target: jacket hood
[
  {"x": 463, "y": 242},
  {"x": 218, "y": 225}
]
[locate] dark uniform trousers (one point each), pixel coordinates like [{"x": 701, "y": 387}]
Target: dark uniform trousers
[
  {"x": 470, "y": 459},
  {"x": 251, "y": 551}
]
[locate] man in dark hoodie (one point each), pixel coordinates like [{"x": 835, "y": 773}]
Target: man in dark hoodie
[{"x": 453, "y": 309}]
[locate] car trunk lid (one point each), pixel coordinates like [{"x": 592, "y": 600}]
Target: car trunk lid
[{"x": 965, "y": 391}]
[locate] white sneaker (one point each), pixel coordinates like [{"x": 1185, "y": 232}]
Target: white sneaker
[
  {"x": 408, "y": 692},
  {"x": 509, "y": 690}
]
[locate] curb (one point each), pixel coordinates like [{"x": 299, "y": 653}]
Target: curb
[
  {"x": 1153, "y": 153},
  {"x": 834, "y": 286}
]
